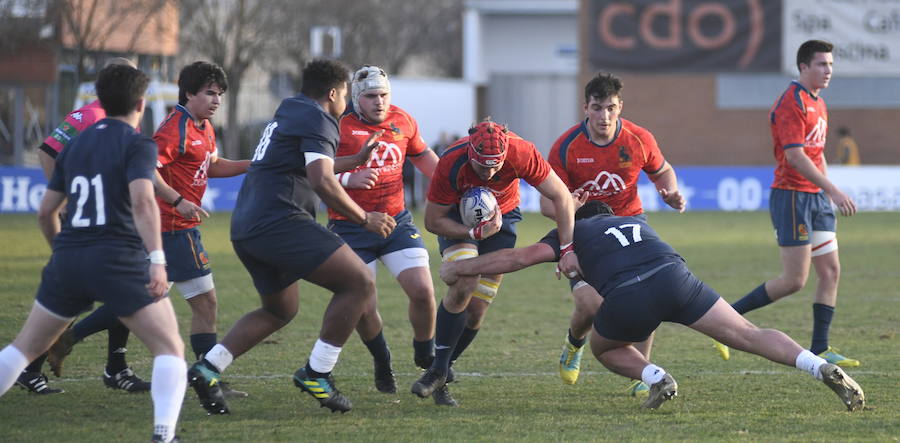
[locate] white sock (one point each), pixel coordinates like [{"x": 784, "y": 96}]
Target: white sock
[
  {"x": 220, "y": 357},
  {"x": 167, "y": 390},
  {"x": 323, "y": 357},
  {"x": 809, "y": 362},
  {"x": 12, "y": 363},
  {"x": 652, "y": 374}
]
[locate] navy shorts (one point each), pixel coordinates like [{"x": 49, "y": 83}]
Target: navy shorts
[
  {"x": 505, "y": 238},
  {"x": 185, "y": 257},
  {"x": 796, "y": 214},
  {"x": 370, "y": 246},
  {"x": 289, "y": 252},
  {"x": 77, "y": 277},
  {"x": 673, "y": 294}
]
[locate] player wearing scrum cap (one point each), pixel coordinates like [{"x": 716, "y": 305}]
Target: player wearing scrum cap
[
  {"x": 493, "y": 157},
  {"x": 377, "y": 185}
]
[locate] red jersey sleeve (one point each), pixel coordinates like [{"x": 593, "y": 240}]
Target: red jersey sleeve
[
  {"x": 416, "y": 145},
  {"x": 788, "y": 124},
  {"x": 556, "y": 163},
  {"x": 440, "y": 190},
  {"x": 653, "y": 158},
  {"x": 530, "y": 166},
  {"x": 167, "y": 139}
]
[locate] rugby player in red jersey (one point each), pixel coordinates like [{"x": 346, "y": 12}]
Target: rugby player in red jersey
[
  {"x": 601, "y": 158},
  {"x": 493, "y": 157},
  {"x": 377, "y": 186},
  {"x": 801, "y": 197},
  {"x": 187, "y": 159}
]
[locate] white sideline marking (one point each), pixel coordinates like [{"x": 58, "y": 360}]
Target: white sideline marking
[{"x": 497, "y": 374}]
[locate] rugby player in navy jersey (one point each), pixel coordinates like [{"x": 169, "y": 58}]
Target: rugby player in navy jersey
[
  {"x": 644, "y": 282},
  {"x": 100, "y": 252},
  {"x": 276, "y": 237}
]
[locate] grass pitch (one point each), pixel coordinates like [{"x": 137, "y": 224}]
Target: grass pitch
[{"x": 508, "y": 388}]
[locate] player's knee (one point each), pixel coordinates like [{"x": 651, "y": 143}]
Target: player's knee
[
  {"x": 587, "y": 300},
  {"x": 794, "y": 284}
]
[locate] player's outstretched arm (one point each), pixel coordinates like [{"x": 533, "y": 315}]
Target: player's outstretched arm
[
  {"x": 498, "y": 262},
  {"x": 185, "y": 207},
  {"x": 146, "y": 221},
  {"x": 48, "y": 214},
  {"x": 802, "y": 163},
  {"x": 322, "y": 179},
  {"x": 666, "y": 183},
  {"x": 223, "y": 167},
  {"x": 425, "y": 163}
]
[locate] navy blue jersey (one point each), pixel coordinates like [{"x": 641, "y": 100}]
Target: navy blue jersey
[
  {"x": 614, "y": 249},
  {"x": 94, "y": 172},
  {"x": 276, "y": 188}
]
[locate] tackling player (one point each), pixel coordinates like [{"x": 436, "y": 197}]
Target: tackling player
[
  {"x": 275, "y": 234},
  {"x": 493, "y": 157},
  {"x": 800, "y": 200},
  {"x": 601, "y": 158},
  {"x": 187, "y": 159},
  {"x": 377, "y": 185},
  {"x": 100, "y": 254},
  {"x": 644, "y": 282}
]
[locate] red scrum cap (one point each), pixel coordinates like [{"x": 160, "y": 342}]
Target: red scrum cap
[{"x": 487, "y": 143}]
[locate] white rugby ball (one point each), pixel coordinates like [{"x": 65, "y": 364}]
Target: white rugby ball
[{"x": 477, "y": 204}]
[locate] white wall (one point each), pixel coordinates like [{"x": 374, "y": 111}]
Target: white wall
[{"x": 439, "y": 105}]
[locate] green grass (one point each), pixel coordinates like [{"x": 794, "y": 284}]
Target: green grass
[{"x": 509, "y": 390}]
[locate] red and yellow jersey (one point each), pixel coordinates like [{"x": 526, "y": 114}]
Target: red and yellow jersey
[
  {"x": 453, "y": 175},
  {"x": 400, "y": 139},
  {"x": 77, "y": 121},
  {"x": 798, "y": 119},
  {"x": 185, "y": 152},
  {"x": 609, "y": 172}
]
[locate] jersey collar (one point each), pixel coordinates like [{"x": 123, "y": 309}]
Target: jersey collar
[{"x": 587, "y": 132}]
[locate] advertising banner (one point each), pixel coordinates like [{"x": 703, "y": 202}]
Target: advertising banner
[
  {"x": 684, "y": 35},
  {"x": 865, "y": 33},
  {"x": 713, "y": 188}
]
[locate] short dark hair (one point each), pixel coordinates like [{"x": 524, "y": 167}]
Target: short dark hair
[
  {"x": 809, "y": 49},
  {"x": 198, "y": 75},
  {"x": 323, "y": 75},
  {"x": 593, "y": 208},
  {"x": 602, "y": 86},
  {"x": 120, "y": 88}
]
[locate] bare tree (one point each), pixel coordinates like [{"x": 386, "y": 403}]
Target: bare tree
[
  {"x": 21, "y": 22},
  {"x": 90, "y": 23},
  {"x": 233, "y": 34},
  {"x": 388, "y": 33}
]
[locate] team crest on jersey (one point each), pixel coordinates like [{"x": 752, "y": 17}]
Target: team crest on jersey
[
  {"x": 398, "y": 134},
  {"x": 606, "y": 183},
  {"x": 802, "y": 232},
  {"x": 77, "y": 116},
  {"x": 385, "y": 154},
  {"x": 624, "y": 157}
]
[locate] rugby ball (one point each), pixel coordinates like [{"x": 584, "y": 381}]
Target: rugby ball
[{"x": 477, "y": 204}]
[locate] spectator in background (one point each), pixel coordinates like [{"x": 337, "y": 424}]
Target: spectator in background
[{"x": 848, "y": 151}]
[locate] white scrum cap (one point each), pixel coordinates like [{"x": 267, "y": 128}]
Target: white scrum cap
[{"x": 367, "y": 78}]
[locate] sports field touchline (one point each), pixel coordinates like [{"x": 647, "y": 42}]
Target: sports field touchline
[{"x": 500, "y": 374}]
